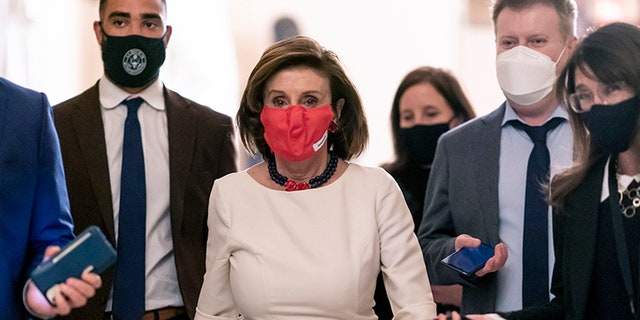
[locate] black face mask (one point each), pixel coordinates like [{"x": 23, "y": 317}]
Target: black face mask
[
  {"x": 613, "y": 127},
  {"x": 421, "y": 140},
  {"x": 132, "y": 61}
]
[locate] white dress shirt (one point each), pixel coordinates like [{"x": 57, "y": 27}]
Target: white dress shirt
[
  {"x": 162, "y": 288},
  {"x": 515, "y": 148}
]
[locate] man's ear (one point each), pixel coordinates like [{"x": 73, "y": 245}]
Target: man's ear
[
  {"x": 167, "y": 36},
  {"x": 98, "y": 31},
  {"x": 571, "y": 45}
]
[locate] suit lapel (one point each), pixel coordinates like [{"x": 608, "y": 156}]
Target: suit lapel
[
  {"x": 487, "y": 169},
  {"x": 181, "y": 122},
  {"x": 580, "y": 230},
  {"x": 87, "y": 121}
]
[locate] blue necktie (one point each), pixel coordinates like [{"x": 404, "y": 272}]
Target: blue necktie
[
  {"x": 129, "y": 281},
  {"x": 535, "y": 256}
]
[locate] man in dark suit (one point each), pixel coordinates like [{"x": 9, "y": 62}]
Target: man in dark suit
[
  {"x": 185, "y": 145},
  {"x": 476, "y": 191},
  {"x": 34, "y": 208}
]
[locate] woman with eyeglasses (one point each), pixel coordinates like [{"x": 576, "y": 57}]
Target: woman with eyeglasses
[
  {"x": 596, "y": 225},
  {"x": 597, "y": 201}
]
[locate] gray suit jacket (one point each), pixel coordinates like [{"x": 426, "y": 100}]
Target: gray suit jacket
[{"x": 462, "y": 197}]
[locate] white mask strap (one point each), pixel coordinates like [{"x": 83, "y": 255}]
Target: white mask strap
[{"x": 561, "y": 53}]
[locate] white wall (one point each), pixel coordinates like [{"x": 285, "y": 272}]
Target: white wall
[
  {"x": 379, "y": 42},
  {"x": 216, "y": 43},
  {"x": 201, "y": 58},
  {"x": 61, "y": 57},
  {"x": 42, "y": 45}
]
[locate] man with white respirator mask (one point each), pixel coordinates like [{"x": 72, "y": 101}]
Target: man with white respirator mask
[
  {"x": 487, "y": 177},
  {"x": 539, "y": 69}
]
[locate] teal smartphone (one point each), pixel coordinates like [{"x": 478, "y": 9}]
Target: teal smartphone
[{"x": 90, "y": 250}]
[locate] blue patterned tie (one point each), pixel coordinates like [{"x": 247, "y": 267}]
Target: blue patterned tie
[
  {"x": 535, "y": 256},
  {"x": 128, "y": 288}
]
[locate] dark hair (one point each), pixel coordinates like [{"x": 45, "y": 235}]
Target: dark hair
[
  {"x": 566, "y": 9},
  {"x": 446, "y": 85},
  {"x": 103, "y": 6},
  {"x": 609, "y": 54},
  {"x": 300, "y": 51}
]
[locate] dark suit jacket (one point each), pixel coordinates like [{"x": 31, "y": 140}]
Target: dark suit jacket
[
  {"x": 575, "y": 245},
  {"x": 34, "y": 208},
  {"x": 462, "y": 197},
  {"x": 200, "y": 150}
]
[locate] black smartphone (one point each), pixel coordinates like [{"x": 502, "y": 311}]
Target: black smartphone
[{"x": 469, "y": 260}]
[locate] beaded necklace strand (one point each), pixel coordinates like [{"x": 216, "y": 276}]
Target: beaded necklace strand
[{"x": 290, "y": 185}]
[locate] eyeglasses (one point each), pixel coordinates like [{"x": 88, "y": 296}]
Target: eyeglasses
[{"x": 583, "y": 99}]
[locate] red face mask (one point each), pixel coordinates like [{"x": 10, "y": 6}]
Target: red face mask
[{"x": 296, "y": 133}]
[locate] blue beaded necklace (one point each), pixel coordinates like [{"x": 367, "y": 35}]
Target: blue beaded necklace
[{"x": 315, "y": 182}]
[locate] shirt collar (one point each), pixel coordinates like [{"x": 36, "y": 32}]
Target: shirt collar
[
  {"x": 624, "y": 180},
  {"x": 111, "y": 95},
  {"x": 510, "y": 114}
]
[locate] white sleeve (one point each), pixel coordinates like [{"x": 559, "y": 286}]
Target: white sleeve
[
  {"x": 216, "y": 299},
  {"x": 402, "y": 264}
]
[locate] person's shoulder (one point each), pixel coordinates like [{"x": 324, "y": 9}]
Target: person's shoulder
[
  {"x": 233, "y": 182},
  {"x": 369, "y": 179},
  {"x": 89, "y": 95},
  {"x": 368, "y": 172},
  {"x": 472, "y": 127},
  {"x": 463, "y": 131},
  {"x": 16, "y": 91},
  {"x": 365, "y": 167},
  {"x": 20, "y": 101},
  {"x": 233, "y": 176},
  {"x": 174, "y": 99},
  {"x": 8, "y": 85},
  {"x": 393, "y": 168}
]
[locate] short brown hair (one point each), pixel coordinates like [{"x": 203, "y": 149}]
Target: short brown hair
[
  {"x": 352, "y": 135},
  {"x": 566, "y": 9}
]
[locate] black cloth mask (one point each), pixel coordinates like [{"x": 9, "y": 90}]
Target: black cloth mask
[
  {"x": 613, "y": 127},
  {"x": 420, "y": 141},
  {"x": 132, "y": 61}
]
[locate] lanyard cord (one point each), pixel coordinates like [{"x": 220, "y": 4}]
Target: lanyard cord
[{"x": 618, "y": 231}]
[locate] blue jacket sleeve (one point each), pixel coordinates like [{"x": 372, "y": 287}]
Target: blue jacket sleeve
[{"x": 51, "y": 222}]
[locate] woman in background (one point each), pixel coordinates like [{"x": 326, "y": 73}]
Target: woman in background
[{"x": 428, "y": 102}]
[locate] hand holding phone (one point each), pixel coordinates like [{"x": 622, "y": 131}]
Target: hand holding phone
[
  {"x": 90, "y": 250},
  {"x": 468, "y": 260}
]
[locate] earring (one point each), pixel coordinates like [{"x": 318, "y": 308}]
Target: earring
[{"x": 333, "y": 127}]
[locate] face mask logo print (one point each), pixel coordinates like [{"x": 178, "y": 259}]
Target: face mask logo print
[{"x": 134, "y": 61}]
